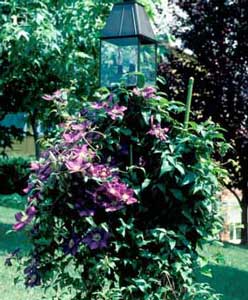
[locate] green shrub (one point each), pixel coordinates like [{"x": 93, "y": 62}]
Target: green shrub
[
  {"x": 14, "y": 173},
  {"x": 121, "y": 200}
]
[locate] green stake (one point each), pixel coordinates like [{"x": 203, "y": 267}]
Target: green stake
[{"x": 188, "y": 103}]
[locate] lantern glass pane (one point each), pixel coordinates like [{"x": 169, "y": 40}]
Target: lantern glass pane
[
  {"x": 148, "y": 64},
  {"x": 119, "y": 57}
]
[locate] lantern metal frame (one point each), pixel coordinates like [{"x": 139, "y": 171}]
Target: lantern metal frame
[{"x": 129, "y": 20}]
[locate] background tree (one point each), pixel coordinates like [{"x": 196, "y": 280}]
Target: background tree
[
  {"x": 46, "y": 45},
  {"x": 216, "y": 34}
]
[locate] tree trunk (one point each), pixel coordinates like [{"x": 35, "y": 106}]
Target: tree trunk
[
  {"x": 34, "y": 126},
  {"x": 244, "y": 207}
]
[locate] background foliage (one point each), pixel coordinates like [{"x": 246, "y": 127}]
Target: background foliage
[
  {"x": 46, "y": 45},
  {"x": 14, "y": 173}
]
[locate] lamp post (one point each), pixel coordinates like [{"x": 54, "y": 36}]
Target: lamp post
[{"x": 128, "y": 45}]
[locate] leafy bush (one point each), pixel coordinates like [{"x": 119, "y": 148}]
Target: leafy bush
[
  {"x": 14, "y": 173},
  {"x": 121, "y": 201}
]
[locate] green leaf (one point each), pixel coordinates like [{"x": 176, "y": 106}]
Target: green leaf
[
  {"x": 188, "y": 216},
  {"x": 166, "y": 167},
  {"x": 23, "y": 34},
  {"x": 177, "y": 194},
  {"x": 126, "y": 131},
  {"x": 206, "y": 271},
  {"x": 146, "y": 183},
  {"x": 142, "y": 284},
  {"x": 146, "y": 116},
  {"x": 81, "y": 54},
  {"x": 188, "y": 178},
  {"x": 172, "y": 244},
  {"x": 180, "y": 168}
]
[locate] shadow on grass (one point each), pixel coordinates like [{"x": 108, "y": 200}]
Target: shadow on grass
[
  {"x": 228, "y": 281},
  {"x": 14, "y": 201},
  {"x": 9, "y": 241}
]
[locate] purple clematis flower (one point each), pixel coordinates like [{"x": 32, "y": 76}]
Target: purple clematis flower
[
  {"x": 82, "y": 152},
  {"x": 111, "y": 97},
  {"x": 96, "y": 239},
  {"x": 23, "y": 219},
  {"x": 45, "y": 171},
  {"x": 158, "y": 132},
  {"x": 81, "y": 126},
  {"x": 85, "y": 208},
  {"x": 79, "y": 159},
  {"x": 12, "y": 255},
  {"x": 99, "y": 105},
  {"x": 136, "y": 92},
  {"x": 77, "y": 165},
  {"x": 100, "y": 171},
  {"x": 116, "y": 111},
  {"x": 149, "y": 92},
  {"x": 56, "y": 95},
  {"x": 32, "y": 274},
  {"x": 28, "y": 188},
  {"x": 72, "y": 137},
  {"x": 35, "y": 166},
  {"x": 48, "y": 97},
  {"x": 113, "y": 196},
  {"x": 71, "y": 245},
  {"x": 75, "y": 132},
  {"x": 42, "y": 170}
]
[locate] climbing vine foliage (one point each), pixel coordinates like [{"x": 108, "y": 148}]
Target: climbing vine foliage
[{"x": 122, "y": 199}]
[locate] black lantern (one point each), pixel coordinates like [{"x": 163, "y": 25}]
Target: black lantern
[{"x": 128, "y": 45}]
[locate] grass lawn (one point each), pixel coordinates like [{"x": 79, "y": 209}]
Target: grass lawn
[
  {"x": 9, "y": 205},
  {"x": 230, "y": 277}
]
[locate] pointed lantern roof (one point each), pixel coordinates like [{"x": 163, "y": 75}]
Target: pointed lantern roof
[{"x": 128, "y": 19}]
